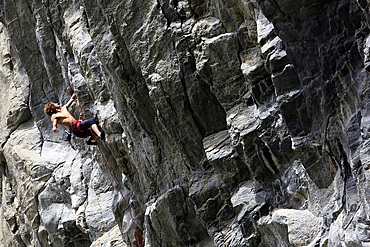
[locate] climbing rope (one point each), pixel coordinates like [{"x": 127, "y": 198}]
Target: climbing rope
[
  {"x": 79, "y": 107},
  {"x": 80, "y": 111}
]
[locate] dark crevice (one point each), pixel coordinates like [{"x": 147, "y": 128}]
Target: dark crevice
[
  {"x": 16, "y": 227},
  {"x": 188, "y": 106},
  {"x": 347, "y": 172}
]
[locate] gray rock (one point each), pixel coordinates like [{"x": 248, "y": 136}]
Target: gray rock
[
  {"x": 112, "y": 238},
  {"x": 302, "y": 227}
]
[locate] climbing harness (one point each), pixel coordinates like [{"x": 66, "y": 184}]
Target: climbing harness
[
  {"x": 77, "y": 131},
  {"x": 81, "y": 113}
]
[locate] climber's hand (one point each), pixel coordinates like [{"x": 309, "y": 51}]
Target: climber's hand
[{"x": 55, "y": 130}]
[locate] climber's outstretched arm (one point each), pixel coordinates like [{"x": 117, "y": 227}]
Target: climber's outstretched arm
[
  {"x": 55, "y": 124},
  {"x": 69, "y": 103}
]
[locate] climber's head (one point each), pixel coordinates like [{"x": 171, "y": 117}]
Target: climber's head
[{"x": 51, "y": 108}]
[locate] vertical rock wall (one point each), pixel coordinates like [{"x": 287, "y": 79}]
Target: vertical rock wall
[{"x": 229, "y": 123}]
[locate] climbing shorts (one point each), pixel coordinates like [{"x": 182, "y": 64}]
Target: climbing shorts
[{"x": 82, "y": 129}]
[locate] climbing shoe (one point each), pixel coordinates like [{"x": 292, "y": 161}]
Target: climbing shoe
[
  {"x": 102, "y": 135},
  {"x": 90, "y": 141}
]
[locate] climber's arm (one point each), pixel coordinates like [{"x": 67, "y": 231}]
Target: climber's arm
[
  {"x": 69, "y": 103},
  {"x": 55, "y": 124}
]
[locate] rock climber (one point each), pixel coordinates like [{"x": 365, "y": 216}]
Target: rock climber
[{"x": 83, "y": 129}]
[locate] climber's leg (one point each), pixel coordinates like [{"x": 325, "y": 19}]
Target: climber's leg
[
  {"x": 101, "y": 134},
  {"x": 92, "y": 123}
]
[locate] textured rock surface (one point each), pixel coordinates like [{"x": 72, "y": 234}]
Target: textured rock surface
[{"x": 229, "y": 123}]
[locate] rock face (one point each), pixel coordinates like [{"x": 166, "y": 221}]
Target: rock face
[{"x": 228, "y": 122}]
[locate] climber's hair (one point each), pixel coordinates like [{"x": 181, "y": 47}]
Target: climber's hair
[{"x": 49, "y": 109}]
